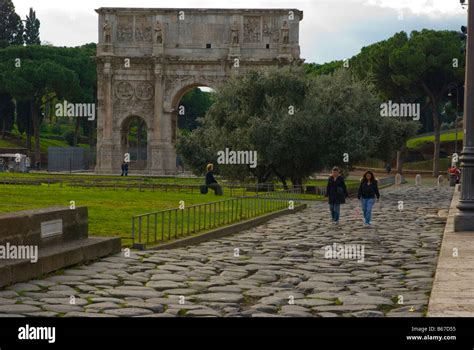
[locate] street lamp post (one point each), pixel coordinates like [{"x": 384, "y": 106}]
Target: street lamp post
[
  {"x": 464, "y": 219},
  {"x": 455, "y": 85}
]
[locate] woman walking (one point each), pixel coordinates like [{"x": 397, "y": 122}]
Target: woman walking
[
  {"x": 368, "y": 191},
  {"x": 336, "y": 191}
]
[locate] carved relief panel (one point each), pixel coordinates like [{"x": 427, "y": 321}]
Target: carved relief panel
[
  {"x": 123, "y": 90},
  {"x": 271, "y": 30},
  {"x": 136, "y": 94},
  {"x": 144, "y": 91},
  {"x": 124, "y": 28},
  {"x": 252, "y": 30},
  {"x": 143, "y": 29}
]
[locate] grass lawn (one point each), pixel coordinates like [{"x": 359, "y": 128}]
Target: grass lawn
[
  {"x": 444, "y": 164},
  {"x": 7, "y": 144},
  {"x": 44, "y": 143},
  {"x": 134, "y": 180},
  {"x": 448, "y": 137},
  {"x": 322, "y": 183},
  {"x": 100, "y": 178},
  {"x": 110, "y": 211}
]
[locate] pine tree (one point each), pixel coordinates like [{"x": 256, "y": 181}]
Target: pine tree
[
  {"x": 32, "y": 25},
  {"x": 7, "y": 114},
  {"x": 11, "y": 26}
]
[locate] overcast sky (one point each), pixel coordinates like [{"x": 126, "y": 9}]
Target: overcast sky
[{"x": 330, "y": 30}]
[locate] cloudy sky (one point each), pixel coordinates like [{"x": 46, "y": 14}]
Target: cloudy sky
[{"x": 330, "y": 30}]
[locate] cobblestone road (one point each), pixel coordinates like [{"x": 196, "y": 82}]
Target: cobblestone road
[{"x": 282, "y": 268}]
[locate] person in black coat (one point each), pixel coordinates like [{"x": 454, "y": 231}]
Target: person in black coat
[
  {"x": 336, "y": 191},
  {"x": 211, "y": 180},
  {"x": 368, "y": 191},
  {"x": 124, "y": 169}
]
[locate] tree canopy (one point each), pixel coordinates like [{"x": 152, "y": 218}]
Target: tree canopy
[
  {"x": 196, "y": 103},
  {"x": 297, "y": 124},
  {"x": 416, "y": 67},
  {"x": 39, "y": 74},
  {"x": 32, "y": 25},
  {"x": 11, "y": 26}
]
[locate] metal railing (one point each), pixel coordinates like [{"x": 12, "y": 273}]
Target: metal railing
[
  {"x": 232, "y": 190},
  {"x": 169, "y": 224},
  {"x": 228, "y": 190}
]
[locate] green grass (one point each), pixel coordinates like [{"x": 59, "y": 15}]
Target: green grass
[
  {"x": 100, "y": 178},
  {"x": 134, "y": 182},
  {"x": 110, "y": 211},
  {"x": 20, "y": 142},
  {"x": 7, "y": 144},
  {"x": 444, "y": 164},
  {"x": 111, "y": 179},
  {"x": 322, "y": 183},
  {"x": 417, "y": 142},
  {"x": 45, "y": 143}
]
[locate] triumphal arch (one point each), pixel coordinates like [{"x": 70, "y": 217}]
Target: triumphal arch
[{"x": 148, "y": 58}]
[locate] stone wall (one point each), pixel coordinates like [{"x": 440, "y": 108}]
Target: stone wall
[
  {"x": 37, "y": 242},
  {"x": 43, "y": 227}
]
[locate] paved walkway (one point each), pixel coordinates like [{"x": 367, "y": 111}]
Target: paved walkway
[
  {"x": 280, "y": 268},
  {"x": 452, "y": 293}
]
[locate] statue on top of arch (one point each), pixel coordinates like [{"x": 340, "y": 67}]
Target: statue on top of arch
[
  {"x": 107, "y": 32},
  {"x": 158, "y": 33},
  {"x": 234, "y": 34},
  {"x": 285, "y": 33}
]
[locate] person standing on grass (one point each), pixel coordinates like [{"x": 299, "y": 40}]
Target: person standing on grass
[
  {"x": 336, "y": 191},
  {"x": 368, "y": 191}
]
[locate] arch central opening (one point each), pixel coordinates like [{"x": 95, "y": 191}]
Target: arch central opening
[
  {"x": 191, "y": 104},
  {"x": 134, "y": 141}
]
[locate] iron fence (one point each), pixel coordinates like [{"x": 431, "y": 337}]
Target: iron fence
[
  {"x": 228, "y": 189},
  {"x": 70, "y": 159},
  {"x": 164, "y": 225}
]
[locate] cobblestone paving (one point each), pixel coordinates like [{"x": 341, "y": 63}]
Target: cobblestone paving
[{"x": 281, "y": 268}]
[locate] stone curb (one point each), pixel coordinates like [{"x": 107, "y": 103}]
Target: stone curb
[{"x": 452, "y": 294}]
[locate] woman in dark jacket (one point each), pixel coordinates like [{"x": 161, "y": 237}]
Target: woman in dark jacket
[
  {"x": 368, "y": 191},
  {"x": 336, "y": 191}
]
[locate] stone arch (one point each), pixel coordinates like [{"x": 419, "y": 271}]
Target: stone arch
[
  {"x": 160, "y": 72},
  {"x": 137, "y": 149},
  {"x": 182, "y": 90},
  {"x": 176, "y": 96}
]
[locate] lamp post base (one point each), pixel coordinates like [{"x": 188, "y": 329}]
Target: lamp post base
[
  {"x": 464, "y": 221},
  {"x": 464, "y": 218}
]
